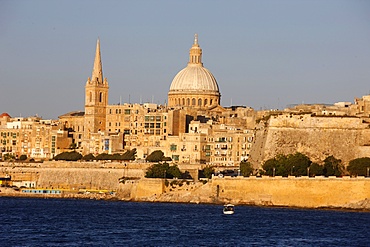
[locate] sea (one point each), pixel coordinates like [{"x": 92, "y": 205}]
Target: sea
[{"x": 72, "y": 222}]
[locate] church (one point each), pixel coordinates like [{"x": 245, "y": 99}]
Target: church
[{"x": 192, "y": 128}]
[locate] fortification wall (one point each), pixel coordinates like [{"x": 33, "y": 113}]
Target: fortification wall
[
  {"x": 293, "y": 192},
  {"x": 317, "y": 137},
  {"x": 308, "y": 121},
  {"x": 276, "y": 191}
]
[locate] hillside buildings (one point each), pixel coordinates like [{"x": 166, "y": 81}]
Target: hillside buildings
[{"x": 193, "y": 128}]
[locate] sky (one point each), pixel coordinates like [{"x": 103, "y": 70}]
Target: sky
[{"x": 265, "y": 54}]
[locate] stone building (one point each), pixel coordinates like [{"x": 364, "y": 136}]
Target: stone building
[
  {"x": 32, "y": 136},
  {"x": 193, "y": 128},
  {"x": 183, "y": 130}
]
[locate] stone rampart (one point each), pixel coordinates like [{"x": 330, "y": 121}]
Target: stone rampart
[
  {"x": 293, "y": 192},
  {"x": 308, "y": 121},
  {"x": 307, "y": 192},
  {"x": 345, "y": 138}
]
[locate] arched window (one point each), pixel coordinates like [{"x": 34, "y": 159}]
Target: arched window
[
  {"x": 183, "y": 101},
  {"x": 210, "y": 102},
  {"x": 199, "y": 102},
  {"x": 205, "y": 102},
  {"x": 193, "y": 101},
  {"x": 188, "y": 101},
  {"x": 100, "y": 97},
  {"x": 90, "y": 96}
]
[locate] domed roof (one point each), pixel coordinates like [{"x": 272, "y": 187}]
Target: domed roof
[
  {"x": 4, "y": 115},
  {"x": 194, "y": 78}
]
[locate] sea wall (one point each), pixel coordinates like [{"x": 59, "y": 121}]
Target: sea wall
[
  {"x": 293, "y": 192},
  {"x": 305, "y": 192}
]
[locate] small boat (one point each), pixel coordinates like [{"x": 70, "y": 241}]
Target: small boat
[{"x": 228, "y": 209}]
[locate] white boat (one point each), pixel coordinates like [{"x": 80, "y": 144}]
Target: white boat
[{"x": 228, "y": 209}]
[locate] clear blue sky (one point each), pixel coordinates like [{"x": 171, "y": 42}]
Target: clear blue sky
[{"x": 263, "y": 53}]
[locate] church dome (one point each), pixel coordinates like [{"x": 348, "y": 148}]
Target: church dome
[
  {"x": 194, "y": 85},
  {"x": 194, "y": 78},
  {"x": 4, "y": 114}
]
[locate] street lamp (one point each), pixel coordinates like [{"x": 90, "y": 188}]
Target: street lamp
[
  {"x": 308, "y": 171},
  {"x": 291, "y": 171},
  {"x": 368, "y": 169},
  {"x": 273, "y": 172}
]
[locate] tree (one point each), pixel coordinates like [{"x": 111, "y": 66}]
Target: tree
[
  {"x": 298, "y": 164},
  {"x": 269, "y": 166},
  {"x": 8, "y": 156},
  {"x": 157, "y": 156},
  {"x": 359, "y": 167},
  {"x": 157, "y": 171},
  {"x": 103, "y": 156},
  {"x": 316, "y": 170},
  {"x": 246, "y": 168},
  {"x": 23, "y": 157},
  {"x": 207, "y": 172},
  {"x": 129, "y": 155},
  {"x": 285, "y": 165},
  {"x": 68, "y": 156},
  {"x": 174, "y": 172},
  {"x": 333, "y": 167},
  {"x": 88, "y": 157},
  {"x": 164, "y": 171}
]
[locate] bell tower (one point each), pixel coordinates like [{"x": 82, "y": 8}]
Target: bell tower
[{"x": 96, "y": 98}]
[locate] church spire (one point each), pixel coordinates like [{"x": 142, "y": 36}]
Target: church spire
[
  {"x": 97, "y": 73},
  {"x": 195, "y": 54}
]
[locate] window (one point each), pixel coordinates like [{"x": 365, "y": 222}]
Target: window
[
  {"x": 173, "y": 147},
  {"x": 100, "y": 97}
]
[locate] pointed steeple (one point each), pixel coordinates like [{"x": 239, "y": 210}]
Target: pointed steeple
[
  {"x": 97, "y": 73},
  {"x": 195, "y": 54}
]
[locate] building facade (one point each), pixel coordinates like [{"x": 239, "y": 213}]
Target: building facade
[{"x": 193, "y": 128}]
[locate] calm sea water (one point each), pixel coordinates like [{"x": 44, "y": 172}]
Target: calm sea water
[{"x": 63, "y": 222}]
